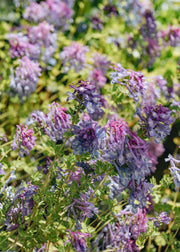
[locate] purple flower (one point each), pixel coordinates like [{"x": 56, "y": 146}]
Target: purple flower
[
  {"x": 73, "y": 56},
  {"x": 20, "y": 46},
  {"x": 129, "y": 154},
  {"x": 27, "y": 202},
  {"x": 149, "y": 35},
  {"x": 161, "y": 218},
  {"x": 122, "y": 235},
  {"x": 154, "y": 90},
  {"x": 148, "y": 29},
  {"x": 100, "y": 62},
  {"x": 139, "y": 224},
  {"x": 36, "y": 12},
  {"x": 26, "y": 76},
  {"x": 171, "y": 36},
  {"x": 156, "y": 120},
  {"x": 43, "y": 248},
  {"x": 100, "y": 67},
  {"x": 60, "y": 13},
  {"x": 2, "y": 172},
  {"x": 115, "y": 142},
  {"x": 110, "y": 9},
  {"x": 133, "y": 81},
  {"x": 45, "y": 166},
  {"x": 55, "y": 123},
  {"x": 96, "y": 22},
  {"x": 12, "y": 217},
  {"x": 85, "y": 208},
  {"x": 24, "y": 140},
  {"x": 97, "y": 78},
  {"x": 138, "y": 194},
  {"x": 175, "y": 171},
  {"x": 124, "y": 147},
  {"x": 88, "y": 137},
  {"x": 86, "y": 94},
  {"x": 3, "y": 138},
  {"x": 44, "y": 36},
  {"x": 24, "y": 206},
  {"x": 77, "y": 239}
]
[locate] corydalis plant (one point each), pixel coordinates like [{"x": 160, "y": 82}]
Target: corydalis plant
[
  {"x": 43, "y": 36},
  {"x": 156, "y": 120},
  {"x": 133, "y": 81},
  {"x": 78, "y": 240},
  {"x": 129, "y": 155},
  {"x": 55, "y": 123},
  {"x": 20, "y": 46},
  {"x": 26, "y": 76},
  {"x": 122, "y": 234},
  {"x": 86, "y": 94},
  {"x": 88, "y": 137},
  {"x": 24, "y": 140},
  {"x": 73, "y": 56},
  {"x": 56, "y": 12}
]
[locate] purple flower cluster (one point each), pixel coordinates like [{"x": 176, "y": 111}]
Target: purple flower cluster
[
  {"x": 55, "y": 123},
  {"x": 40, "y": 42},
  {"x": 133, "y": 81},
  {"x": 171, "y": 36},
  {"x": 149, "y": 34},
  {"x": 175, "y": 171},
  {"x": 157, "y": 120},
  {"x": 85, "y": 207},
  {"x": 56, "y": 12},
  {"x": 86, "y": 94},
  {"x": 111, "y": 9},
  {"x": 2, "y": 172},
  {"x": 73, "y": 56},
  {"x": 122, "y": 235},
  {"x": 45, "y": 166},
  {"x": 20, "y": 46},
  {"x": 154, "y": 89},
  {"x": 44, "y": 37},
  {"x": 161, "y": 218},
  {"x": 100, "y": 67},
  {"x": 96, "y": 22},
  {"x": 24, "y": 140},
  {"x": 24, "y": 206},
  {"x": 88, "y": 137},
  {"x": 27, "y": 202},
  {"x": 26, "y": 77},
  {"x": 129, "y": 154},
  {"x": 36, "y": 12},
  {"x": 123, "y": 146},
  {"x": 78, "y": 240}
]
